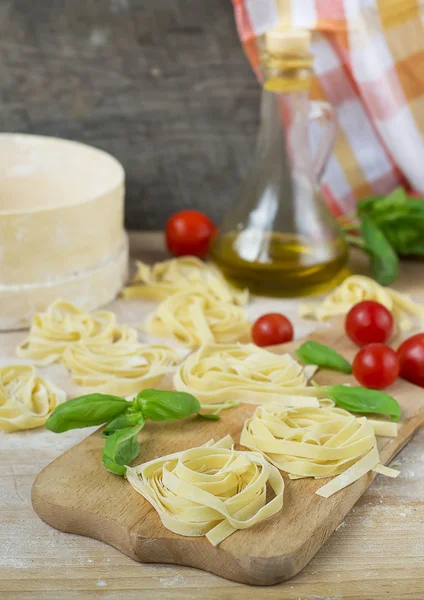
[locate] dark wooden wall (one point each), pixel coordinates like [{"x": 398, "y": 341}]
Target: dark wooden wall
[{"x": 163, "y": 85}]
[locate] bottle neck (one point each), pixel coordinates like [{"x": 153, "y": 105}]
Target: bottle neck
[{"x": 284, "y": 130}]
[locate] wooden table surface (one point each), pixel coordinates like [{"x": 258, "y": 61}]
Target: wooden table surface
[{"x": 376, "y": 553}]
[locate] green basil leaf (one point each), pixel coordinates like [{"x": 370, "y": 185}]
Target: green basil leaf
[
  {"x": 363, "y": 400},
  {"x": 365, "y": 207},
  {"x": 209, "y": 416},
  {"x": 314, "y": 353},
  {"x": 111, "y": 466},
  {"x": 121, "y": 448},
  {"x": 86, "y": 411},
  {"x": 161, "y": 405},
  {"x": 384, "y": 261},
  {"x": 379, "y": 206},
  {"x": 405, "y": 234},
  {"x": 122, "y": 421},
  {"x": 400, "y": 219}
]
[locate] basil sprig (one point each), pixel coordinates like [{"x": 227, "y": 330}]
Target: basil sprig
[
  {"x": 314, "y": 353},
  {"x": 124, "y": 418},
  {"x": 386, "y": 228},
  {"x": 400, "y": 218},
  {"x": 363, "y": 400}
]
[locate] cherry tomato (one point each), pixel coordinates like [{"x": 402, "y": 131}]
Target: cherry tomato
[
  {"x": 376, "y": 366},
  {"x": 369, "y": 322},
  {"x": 411, "y": 358},
  {"x": 189, "y": 232},
  {"x": 271, "y": 329}
]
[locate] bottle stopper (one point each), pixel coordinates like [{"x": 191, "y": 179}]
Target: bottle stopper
[{"x": 283, "y": 40}]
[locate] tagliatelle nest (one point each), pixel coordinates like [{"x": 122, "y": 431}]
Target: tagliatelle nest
[
  {"x": 212, "y": 490},
  {"x": 26, "y": 400},
  {"x": 170, "y": 276},
  {"x": 219, "y": 373},
  {"x": 195, "y": 317},
  {"x": 356, "y": 288},
  {"x": 120, "y": 368},
  {"x": 64, "y": 325},
  {"x": 315, "y": 442}
]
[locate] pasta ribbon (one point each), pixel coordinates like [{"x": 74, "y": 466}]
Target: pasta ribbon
[
  {"x": 120, "y": 368},
  {"x": 212, "y": 490},
  {"x": 170, "y": 276},
  {"x": 26, "y": 401},
  {"x": 63, "y": 325},
  {"x": 314, "y": 442},
  {"x": 195, "y": 317},
  {"x": 219, "y": 373},
  {"x": 356, "y": 288}
]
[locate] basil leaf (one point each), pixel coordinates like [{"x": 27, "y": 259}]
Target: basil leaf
[
  {"x": 314, "y": 353},
  {"x": 121, "y": 422},
  {"x": 209, "y": 416},
  {"x": 379, "y": 206},
  {"x": 111, "y": 466},
  {"x": 363, "y": 400},
  {"x": 365, "y": 207},
  {"x": 121, "y": 448},
  {"x": 86, "y": 411},
  {"x": 160, "y": 405},
  {"x": 405, "y": 233},
  {"x": 384, "y": 261},
  {"x": 400, "y": 219}
]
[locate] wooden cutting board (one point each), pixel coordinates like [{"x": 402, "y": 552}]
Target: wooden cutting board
[{"x": 76, "y": 494}]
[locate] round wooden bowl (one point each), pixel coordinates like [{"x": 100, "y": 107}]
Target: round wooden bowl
[{"x": 61, "y": 226}]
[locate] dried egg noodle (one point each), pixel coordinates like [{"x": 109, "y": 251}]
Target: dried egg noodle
[
  {"x": 170, "y": 276},
  {"x": 315, "y": 442},
  {"x": 219, "y": 373},
  {"x": 356, "y": 288},
  {"x": 121, "y": 368},
  {"x": 63, "y": 325},
  {"x": 212, "y": 490},
  {"x": 195, "y": 317},
  {"x": 26, "y": 401}
]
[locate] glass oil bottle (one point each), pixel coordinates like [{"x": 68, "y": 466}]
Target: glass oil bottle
[{"x": 281, "y": 239}]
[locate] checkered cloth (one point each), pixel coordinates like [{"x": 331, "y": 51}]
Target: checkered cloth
[{"x": 368, "y": 65}]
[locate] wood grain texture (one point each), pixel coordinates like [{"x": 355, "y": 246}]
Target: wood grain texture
[
  {"x": 375, "y": 554},
  {"x": 74, "y": 494},
  {"x": 163, "y": 86}
]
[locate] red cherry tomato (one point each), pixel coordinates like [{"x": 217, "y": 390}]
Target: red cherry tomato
[
  {"x": 411, "y": 358},
  {"x": 271, "y": 329},
  {"x": 376, "y": 366},
  {"x": 369, "y": 322},
  {"x": 189, "y": 232}
]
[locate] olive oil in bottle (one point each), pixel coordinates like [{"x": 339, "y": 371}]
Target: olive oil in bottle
[
  {"x": 290, "y": 267},
  {"x": 281, "y": 239}
]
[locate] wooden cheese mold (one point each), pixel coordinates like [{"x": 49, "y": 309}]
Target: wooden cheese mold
[{"x": 61, "y": 226}]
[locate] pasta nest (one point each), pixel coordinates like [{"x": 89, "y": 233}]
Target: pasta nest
[
  {"x": 314, "y": 442},
  {"x": 212, "y": 490},
  {"x": 219, "y": 373},
  {"x": 170, "y": 276},
  {"x": 121, "y": 368},
  {"x": 356, "y": 288},
  {"x": 63, "y": 325},
  {"x": 26, "y": 401},
  {"x": 195, "y": 317}
]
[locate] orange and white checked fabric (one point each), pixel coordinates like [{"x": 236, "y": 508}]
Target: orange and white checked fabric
[{"x": 369, "y": 64}]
